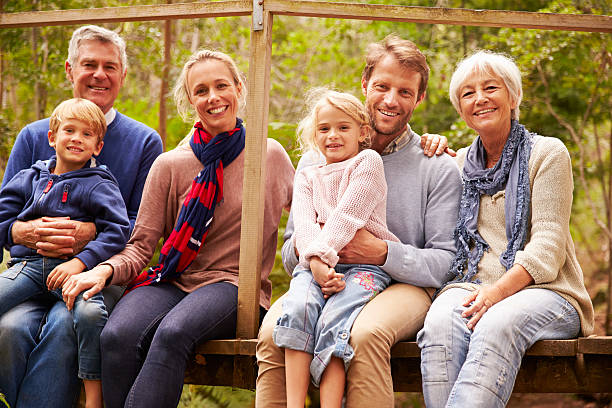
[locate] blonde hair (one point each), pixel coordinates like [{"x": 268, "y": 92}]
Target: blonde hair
[
  {"x": 405, "y": 52},
  {"x": 491, "y": 63},
  {"x": 181, "y": 90},
  {"x": 318, "y": 97},
  {"x": 79, "y": 109}
]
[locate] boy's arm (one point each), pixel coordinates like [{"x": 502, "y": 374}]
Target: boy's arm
[
  {"x": 60, "y": 274},
  {"x": 13, "y": 198},
  {"x": 110, "y": 216}
]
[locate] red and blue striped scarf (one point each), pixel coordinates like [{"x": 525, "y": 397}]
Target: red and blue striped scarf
[{"x": 196, "y": 215}]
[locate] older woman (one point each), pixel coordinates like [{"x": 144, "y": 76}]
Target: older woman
[
  {"x": 515, "y": 278},
  {"x": 192, "y": 198}
]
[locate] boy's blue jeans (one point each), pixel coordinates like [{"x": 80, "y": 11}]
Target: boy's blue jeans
[
  {"x": 27, "y": 277},
  {"x": 465, "y": 368},
  {"x": 320, "y": 326}
]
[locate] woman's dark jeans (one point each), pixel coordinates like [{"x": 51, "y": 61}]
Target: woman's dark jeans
[{"x": 153, "y": 332}]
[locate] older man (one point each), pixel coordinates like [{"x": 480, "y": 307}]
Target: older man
[
  {"x": 422, "y": 208},
  {"x": 38, "y": 347}
]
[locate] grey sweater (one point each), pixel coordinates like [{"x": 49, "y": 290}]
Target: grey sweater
[{"x": 422, "y": 208}]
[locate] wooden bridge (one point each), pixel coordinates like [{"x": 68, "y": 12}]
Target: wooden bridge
[{"x": 581, "y": 365}]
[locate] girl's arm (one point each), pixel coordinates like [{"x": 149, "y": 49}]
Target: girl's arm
[{"x": 366, "y": 189}]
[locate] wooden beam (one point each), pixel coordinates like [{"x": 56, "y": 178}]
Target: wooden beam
[
  {"x": 409, "y": 14},
  {"x": 441, "y": 15},
  {"x": 128, "y": 13},
  {"x": 253, "y": 199}
]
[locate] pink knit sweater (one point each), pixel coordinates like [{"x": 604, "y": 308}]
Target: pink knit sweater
[{"x": 331, "y": 202}]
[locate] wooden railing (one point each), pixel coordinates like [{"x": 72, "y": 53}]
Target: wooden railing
[{"x": 231, "y": 362}]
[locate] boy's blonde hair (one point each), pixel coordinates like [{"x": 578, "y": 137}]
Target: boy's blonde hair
[
  {"x": 318, "y": 97},
  {"x": 80, "y": 109}
]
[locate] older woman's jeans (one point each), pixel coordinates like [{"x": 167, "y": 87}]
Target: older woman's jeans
[
  {"x": 151, "y": 335},
  {"x": 462, "y": 368}
]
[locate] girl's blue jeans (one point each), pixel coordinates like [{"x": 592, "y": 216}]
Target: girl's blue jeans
[
  {"x": 27, "y": 277},
  {"x": 464, "y": 368},
  {"x": 320, "y": 326}
]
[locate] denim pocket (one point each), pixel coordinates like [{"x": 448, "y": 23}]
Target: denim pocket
[
  {"x": 14, "y": 270},
  {"x": 433, "y": 364}
]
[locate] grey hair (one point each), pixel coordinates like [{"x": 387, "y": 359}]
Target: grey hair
[
  {"x": 92, "y": 32},
  {"x": 491, "y": 63},
  {"x": 181, "y": 90}
]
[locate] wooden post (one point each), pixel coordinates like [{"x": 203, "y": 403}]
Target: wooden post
[{"x": 251, "y": 240}]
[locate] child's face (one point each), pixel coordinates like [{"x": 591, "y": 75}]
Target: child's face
[
  {"x": 337, "y": 134},
  {"x": 74, "y": 143}
]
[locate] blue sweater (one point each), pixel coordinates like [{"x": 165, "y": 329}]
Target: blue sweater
[
  {"x": 129, "y": 151},
  {"x": 90, "y": 194}
]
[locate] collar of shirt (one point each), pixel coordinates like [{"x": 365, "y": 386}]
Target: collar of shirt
[
  {"x": 399, "y": 142},
  {"x": 110, "y": 116}
]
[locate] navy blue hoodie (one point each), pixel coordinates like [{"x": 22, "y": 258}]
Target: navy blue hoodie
[{"x": 90, "y": 194}]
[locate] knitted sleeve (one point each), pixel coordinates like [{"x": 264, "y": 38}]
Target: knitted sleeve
[
  {"x": 290, "y": 260},
  {"x": 366, "y": 188},
  {"x": 150, "y": 224},
  {"x": 13, "y": 197},
  {"x": 304, "y": 213},
  {"x": 551, "y": 204}
]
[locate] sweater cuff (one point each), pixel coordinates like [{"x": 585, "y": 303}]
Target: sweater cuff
[
  {"x": 396, "y": 260},
  {"x": 326, "y": 253},
  {"x": 530, "y": 267}
]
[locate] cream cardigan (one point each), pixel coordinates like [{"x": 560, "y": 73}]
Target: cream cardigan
[{"x": 549, "y": 255}]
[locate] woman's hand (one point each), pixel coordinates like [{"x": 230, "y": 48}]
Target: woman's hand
[
  {"x": 92, "y": 281},
  {"x": 435, "y": 144},
  {"x": 481, "y": 300}
]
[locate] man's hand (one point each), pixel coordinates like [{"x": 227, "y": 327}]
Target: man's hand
[
  {"x": 60, "y": 274},
  {"x": 435, "y": 144},
  {"x": 92, "y": 281},
  {"x": 364, "y": 248},
  {"x": 56, "y": 237}
]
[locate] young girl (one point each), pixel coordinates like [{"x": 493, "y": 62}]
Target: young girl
[{"x": 330, "y": 203}]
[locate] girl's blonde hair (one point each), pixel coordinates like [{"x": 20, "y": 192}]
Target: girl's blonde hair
[
  {"x": 318, "y": 97},
  {"x": 79, "y": 109},
  {"x": 181, "y": 91}
]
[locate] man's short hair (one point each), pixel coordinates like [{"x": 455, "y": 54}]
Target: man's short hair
[
  {"x": 92, "y": 32},
  {"x": 404, "y": 51},
  {"x": 79, "y": 109}
]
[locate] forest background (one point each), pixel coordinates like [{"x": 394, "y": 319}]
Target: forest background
[{"x": 566, "y": 82}]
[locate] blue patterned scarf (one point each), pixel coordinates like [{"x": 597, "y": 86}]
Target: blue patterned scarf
[
  {"x": 194, "y": 219},
  {"x": 510, "y": 173}
]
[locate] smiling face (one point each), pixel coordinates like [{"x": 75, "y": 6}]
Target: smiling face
[
  {"x": 337, "y": 135},
  {"x": 485, "y": 105},
  {"x": 74, "y": 142},
  {"x": 97, "y": 74},
  {"x": 214, "y": 95},
  {"x": 391, "y": 97}
]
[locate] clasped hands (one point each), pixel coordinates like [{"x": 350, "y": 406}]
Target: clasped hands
[{"x": 327, "y": 278}]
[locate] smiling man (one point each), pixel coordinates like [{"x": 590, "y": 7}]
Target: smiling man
[
  {"x": 422, "y": 207},
  {"x": 38, "y": 346}
]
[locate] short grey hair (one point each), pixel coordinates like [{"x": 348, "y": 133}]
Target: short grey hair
[
  {"x": 92, "y": 32},
  {"x": 490, "y": 63},
  {"x": 181, "y": 90}
]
